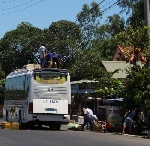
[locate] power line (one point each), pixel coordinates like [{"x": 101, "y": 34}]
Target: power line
[
  {"x": 110, "y": 7},
  {"x": 107, "y": 3},
  {"x": 19, "y": 5},
  {"x": 8, "y": 1},
  {"x": 23, "y": 8},
  {"x": 101, "y": 1}
]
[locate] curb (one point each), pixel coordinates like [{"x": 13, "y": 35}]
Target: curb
[{"x": 131, "y": 135}]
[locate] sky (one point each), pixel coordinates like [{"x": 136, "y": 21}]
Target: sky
[{"x": 41, "y": 13}]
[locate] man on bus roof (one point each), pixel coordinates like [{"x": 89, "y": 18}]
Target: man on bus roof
[
  {"x": 42, "y": 55},
  {"x": 49, "y": 61},
  {"x": 57, "y": 58}
]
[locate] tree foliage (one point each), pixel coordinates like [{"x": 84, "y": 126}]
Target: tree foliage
[
  {"x": 88, "y": 21},
  {"x": 63, "y": 37},
  {"x": 106, "y": 48},
  {"x": 134, "y": 9},
  {"x": 115, "y": 24},
  {"x": 87, "y": 65},
  {"x": 84, "y": 45},
  {"x": 2, "y": 76},
  {"x": 20, "y": 47},
  {"x": 109, "y": 88},
  {"x": 137, "y": 91},
  {"x": 131, "y": 36}
]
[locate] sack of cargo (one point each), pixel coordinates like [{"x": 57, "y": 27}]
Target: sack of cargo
[{"x": 72, "y": 126}]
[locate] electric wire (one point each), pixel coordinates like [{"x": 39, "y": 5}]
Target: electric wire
[
  {"x": 8, "y": 1},
  {"x": 110, "y": 7},
  {"x": 101, "y": 1},
  {"x": 23, "y": 8},
  {"x": 107, "y": 3},
  {"x": 105, "y": 10},
  {"x": 19, "y": 5}
]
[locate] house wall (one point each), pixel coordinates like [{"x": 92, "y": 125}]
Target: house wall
[{"x": 111, "y": 66}]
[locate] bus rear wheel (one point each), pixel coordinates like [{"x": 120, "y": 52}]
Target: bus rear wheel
[
  {"x": 51, "y": 127},
  {"x": 30, "y": 125},
  {"x": 54, "y": 127},
  {"x": 57, "y": 127}
]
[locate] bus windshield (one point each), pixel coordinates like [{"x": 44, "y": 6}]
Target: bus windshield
[{"x": 50, "y": 78}]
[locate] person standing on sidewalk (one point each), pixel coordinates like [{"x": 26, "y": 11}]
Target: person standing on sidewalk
[{"x": 88, "y": 118}]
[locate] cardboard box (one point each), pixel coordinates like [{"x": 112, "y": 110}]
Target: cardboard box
[
  {"x": 14, "y": 126},
  {"x": 97, "y": 127},
  {"x": 72, "y": 121},
  {"x": 80, "y": 128},
  {"x": 80, "y": 119},
  {"x": 5, "y": 125}
]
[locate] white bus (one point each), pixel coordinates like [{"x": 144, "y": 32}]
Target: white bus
[{"x": 40, "y": 96}]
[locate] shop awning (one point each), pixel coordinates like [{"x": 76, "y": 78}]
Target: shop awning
[
  {"x": 83, "y": 81},
  {"x": 108, "y": 101}
]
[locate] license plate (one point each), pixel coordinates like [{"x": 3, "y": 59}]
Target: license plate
[{"x": 50, "y": 110}]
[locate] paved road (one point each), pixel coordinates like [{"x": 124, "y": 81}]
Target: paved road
[{"x": 46, "y": 137}]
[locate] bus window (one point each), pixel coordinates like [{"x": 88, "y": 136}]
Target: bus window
[
  {"x": 8, "y": 84},
  {"x": 50, "y": 78}
]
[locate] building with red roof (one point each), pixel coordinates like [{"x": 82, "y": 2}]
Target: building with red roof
[{"x": 128, "y": 54}]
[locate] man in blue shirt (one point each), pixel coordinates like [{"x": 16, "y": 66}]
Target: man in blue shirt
[
  {"x": 129, "y": 117},
  {"x": 57, "y": 59},
  {"x": 48, "y": 62}
]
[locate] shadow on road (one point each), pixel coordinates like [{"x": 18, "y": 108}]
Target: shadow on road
[{"x": 46, "y": 128}]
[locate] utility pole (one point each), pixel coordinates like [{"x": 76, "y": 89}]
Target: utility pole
[
  {"x": 147, "y": 12},
  {"x": 147, "y": 22}
]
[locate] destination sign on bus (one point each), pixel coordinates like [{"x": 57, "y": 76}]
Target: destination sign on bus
[{"x": 50, "y": 78}]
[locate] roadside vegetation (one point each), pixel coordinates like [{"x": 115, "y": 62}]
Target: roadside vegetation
[{"x": 84, "y": 44}]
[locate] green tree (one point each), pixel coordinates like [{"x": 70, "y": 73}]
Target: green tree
[
  {"x": 105, "y": 42},
  {"x": 89, "y": 21},
  {"x": 137, "y": 91},
  {"x": 87, "y": 65},
  {"x": 106, "y": 48},
  {"x": 115, "y": 24},
  {"x": 64, "y": 37},
  {"x": 20, "y": 46},
  {"x": 134, "y": 10},
  {"x": 2, "y": 75},
  {"x": 131, "y": 36}
]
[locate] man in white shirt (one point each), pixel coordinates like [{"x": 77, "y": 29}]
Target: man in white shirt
[
  {"x": 88, "y": 118},
  {"x": 95, "y": 118},
  {"x": 42, "y": 55}
]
